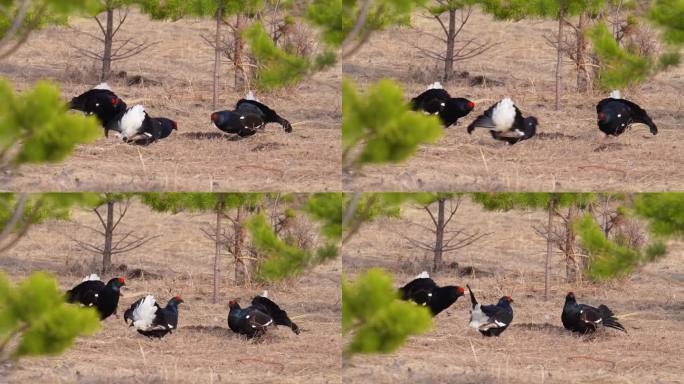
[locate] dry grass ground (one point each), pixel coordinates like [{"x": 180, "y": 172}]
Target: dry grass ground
[
  {"x": 197, "y": 156},
  {"x": 573, "y": 157},
  {"x": 203, "y": 349},
  {"x": 535, "y": 348}
]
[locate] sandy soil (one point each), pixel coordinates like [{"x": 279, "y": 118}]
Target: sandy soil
[
  {"x": 198, "y": 156},
  {"x": 203, "y": 350},
  {"x": 574, "y": 156},
  {"x": 535, "y": 348}
]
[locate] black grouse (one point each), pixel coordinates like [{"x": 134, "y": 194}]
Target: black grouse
[
  {"x": 150, "y": 320},
  {"x": 584, "y": 318},
  {"x": 437, "y": 101},
  {"x": 92, "y": 292},
  {"x": 424, "y": 291},
  {"x": 616, "y": 114},
  {"x": 101, "y": 102},
  {"x": 254, "y": 320},
  {"x": 134, "y": 125},
  {"x": 249, "y": 116},
  {"x": 506, "y": 122},
  {"x": 490, "y": 320}
]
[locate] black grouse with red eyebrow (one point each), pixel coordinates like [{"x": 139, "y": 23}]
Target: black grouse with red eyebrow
[
  {"x": 424, "y": 291},
  {"x": 584, "y": 318},
  {"x": 437, "y": 101},
  {"x": 101, "y": 102},
  {"x": 616, "y": 114}
]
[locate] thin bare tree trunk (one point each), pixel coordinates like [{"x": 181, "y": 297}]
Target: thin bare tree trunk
[
  {"x": 451, "y": 42},
  {"x": 217, "y": 57},
  {"x": 571, "y": 266},
  {"x": 217, "y": 255},
  {"x": 439, "y": 235},
  {"x": 108, "y": 41},
  {"x": 109, "y": 233},
  {"x": 559, "y": 57},
  {"x": 240, "y": 267},
  {"x": 549, "y": 248},
  {"x": 238, "y": 47},
  {"x": 580, "y": 55}
]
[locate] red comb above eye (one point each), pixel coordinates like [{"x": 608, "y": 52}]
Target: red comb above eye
[{"x": 115, "y": 100}]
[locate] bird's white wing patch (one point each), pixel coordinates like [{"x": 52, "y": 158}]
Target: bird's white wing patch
[
  {"x": 103, "y": 86},
  {"x": 250, "y": 96},
  {"x": 499, "y": 323},
  {"x": 477, "y": 317},
  {"x": 132, "y": 120},
  {"x": 423, "y": 275},
  {"x": 503, "y": 114},
  {"x": 91, "y": 277},
  {"x": 435, "y": 85},
  {"x": 616, "y": 94},
  {"x": 144, "y": 313}
]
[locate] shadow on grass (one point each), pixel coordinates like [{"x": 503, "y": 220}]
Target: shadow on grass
[
  {"x": 209, "y": 136},
  {"x": 210, "y": 330},
  {"x": 545, "y": 327}
]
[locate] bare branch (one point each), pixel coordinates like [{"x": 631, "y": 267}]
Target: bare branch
[
  {"x": 427, "y": 209},
  {"x": 16, "y": 216},
  {"x": 121, "y": 213},
  {"x": 99, "y": 216},
  {"x": 133, "y": 245},
  {"x": 122, "y": 20},
  {"x": 102, "y": 28},
  {"x": 452, "y": 210},
  {"x": 358, "y": 26},
  {"x": 22, "y": 11}
]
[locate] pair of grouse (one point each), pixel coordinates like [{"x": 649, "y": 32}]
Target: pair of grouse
[
  {"x": 489, "y": 320},
  {"x": 132, "y": 124},
  {"x": 503, "y": 119},
  {"x": 145, "y": 314}
]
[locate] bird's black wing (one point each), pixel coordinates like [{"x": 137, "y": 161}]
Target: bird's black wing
[
  {"x": 489, "y": 310},
  {"x": 499, "y": 320},
  {"x": 484, "y": 120},
  {"x": 86, "y": 293},
  {"x": 430, "y": 101},
  {"x": 266, "y": 113},
  {"x": 418, "y": 290},
  {"x": 257, "y": 319},
  {"x": 279, "y": 316},
  {"x": 639, "y": 115}
]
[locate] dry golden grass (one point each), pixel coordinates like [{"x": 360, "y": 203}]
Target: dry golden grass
[
  {"x": 535, "y": 348},
  {"x": 197, "y": 156},
  {"x": 580, "y": 159},
  {"x": 203, "y": 349}
]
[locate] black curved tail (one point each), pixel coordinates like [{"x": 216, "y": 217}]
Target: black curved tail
[
  {"x": 472, "y": 296},
  {"x": 609, "y": 319}
]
